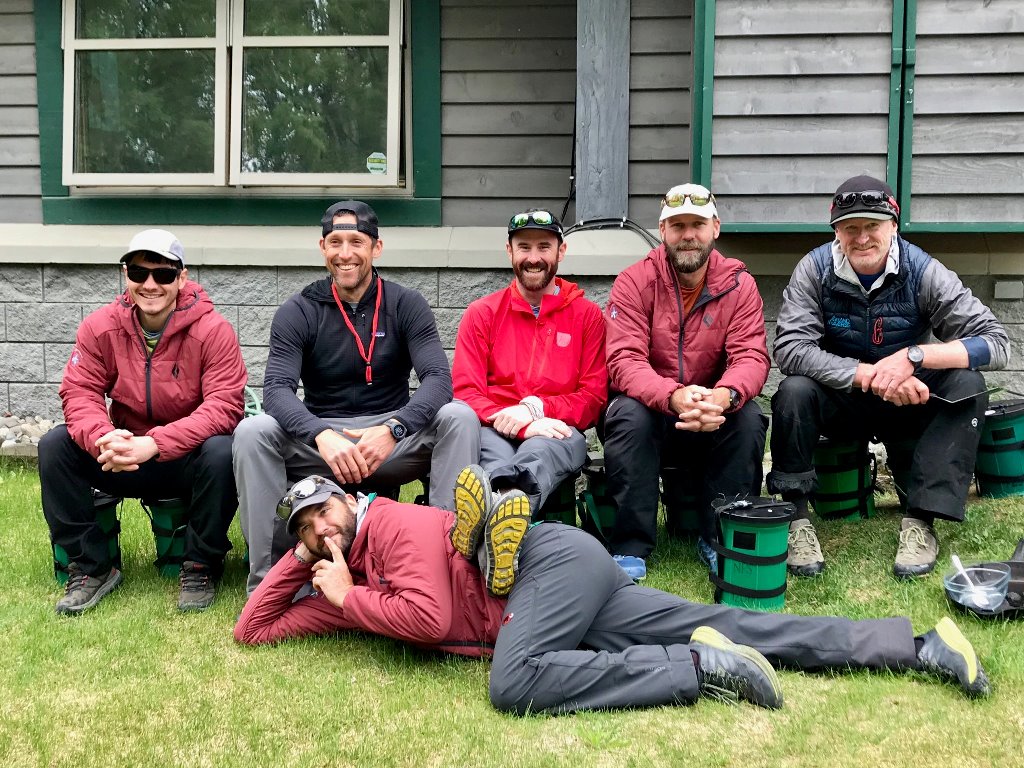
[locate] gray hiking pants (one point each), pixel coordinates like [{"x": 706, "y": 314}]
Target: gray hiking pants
[
  {"x": 267, "y": 459},
  {"x": 578, "y": 634},
  {"x": 536, "y": 466}
]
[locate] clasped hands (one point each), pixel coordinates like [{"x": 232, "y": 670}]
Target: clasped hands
[
  {"x": 355, "y": 454},
  {"x": 892, "y": 379},
  {"x": 699, "y": 409},
  {"x": 122, "y": 451},
  {"x": 511, "y": 420}
]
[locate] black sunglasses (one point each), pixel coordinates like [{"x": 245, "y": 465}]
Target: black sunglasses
[
  {"x": 301, "y": 490},
  {"x": 161, "y": 275},
  {"x": 520, "y": 220},
  {"x": 871, "y": 197}
]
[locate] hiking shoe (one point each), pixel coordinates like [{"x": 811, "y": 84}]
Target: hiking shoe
[
  {"x": 503, "y": 533},
  {"x": 947, "y": 653},
  {"x": 805, "y": 558},
  {"x": 707, "y": 555},
  {"x": 730, "y": 672},
  {"x": 83, "y": 591},
  {"x": 197, "y": 590},
  {"x": 635, "y": 567},
  {"x": 473, "y": 503},
  {"x": 918, "y": 549}
]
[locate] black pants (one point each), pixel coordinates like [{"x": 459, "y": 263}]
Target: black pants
[
  {"x": 639, "y": 441},
  {"x": 203, "y": 479},
  {"x": 577, "y": 634},
  {"x": 942, "y": 437}
]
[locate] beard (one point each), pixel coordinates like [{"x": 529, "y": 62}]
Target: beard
[
  {"x": 689, "y": 255},
  {"x": 535, "y": 281}
]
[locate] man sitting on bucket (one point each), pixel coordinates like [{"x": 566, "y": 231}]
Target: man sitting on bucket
[
  {"x": 576, "y": 632},
  {"x": 854, "y": 339}
]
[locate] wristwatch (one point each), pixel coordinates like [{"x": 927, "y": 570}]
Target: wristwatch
[
  {"x": 734, "y": 398},
  {"x": 916, "y": 357},
  {"x": 398, "y": 429}
]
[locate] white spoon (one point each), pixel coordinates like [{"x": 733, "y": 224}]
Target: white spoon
[{"x": 973, "y": 595}]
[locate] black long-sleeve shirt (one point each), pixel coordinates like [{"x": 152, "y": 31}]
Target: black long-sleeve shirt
[{"x": 309, "y": 340}]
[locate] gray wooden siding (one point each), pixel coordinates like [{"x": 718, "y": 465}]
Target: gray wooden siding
[
  {"x": 968, "y": 138},
  {"x": 19, "y": 119},
  {"x": 508, "y": 83},
  {"x": 660, "y": 83},
  {"x": 800, "y": 103}
]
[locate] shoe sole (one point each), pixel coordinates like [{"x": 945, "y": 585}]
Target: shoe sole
[
  {"x": 505, "y": 530},
  {"x": 191, "y": 607},
  {"x": 104, "y": 589},
  {"x": 912, "y": 571},
  {"x": 715, "y": 639},
  {"x": 951, "y": 635},
  {"x": 472, "y": 494},
  {"x": 806, "y": 571}
]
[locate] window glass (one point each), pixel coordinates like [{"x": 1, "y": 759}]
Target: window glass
[
  {"x": 141, "y": 19},
  {"x": 144, "y": 111},
  {"x": 316, "y": 17},
  {"x": 313, "y": 110}
]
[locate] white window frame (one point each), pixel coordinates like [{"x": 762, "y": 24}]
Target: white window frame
[{"x": 227, "y": 152}]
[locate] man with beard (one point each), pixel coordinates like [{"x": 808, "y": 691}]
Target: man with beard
[
  {"x": 352, "y": 339},
  {"x": 686, "y": 356},
  {"x": 529, "y": 360}
]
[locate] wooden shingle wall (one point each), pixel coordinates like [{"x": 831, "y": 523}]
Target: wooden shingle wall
[
  {"x": 508, "y": 83},
  {"x": 968, "y": 137},
  {"x": 19, "y": 121},
  {"x": 801, "y": 102},
  {"x": 660, "y": 83}
]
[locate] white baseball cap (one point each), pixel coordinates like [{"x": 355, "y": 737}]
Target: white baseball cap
[
  {"x": 684, "y": 198},
  {"x": 158, "y": 241}
]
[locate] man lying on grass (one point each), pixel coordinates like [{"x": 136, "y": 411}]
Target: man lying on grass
[{"x": 575, "y": 632}]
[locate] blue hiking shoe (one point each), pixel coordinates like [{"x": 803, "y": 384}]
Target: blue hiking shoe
[
  {"x": 635, "y": 567},
  {"x": 707, "y": 555}
]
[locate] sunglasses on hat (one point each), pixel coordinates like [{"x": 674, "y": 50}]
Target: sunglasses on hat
[
  {"x": 161, "y": 275},
  {"x": 301, "y": 490},
  {"x": 520, "y": 220},
  {"x": 678, "y": 200},
  {"x": 870, "y": 197}
]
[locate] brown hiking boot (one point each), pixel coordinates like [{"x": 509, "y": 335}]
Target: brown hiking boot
[
  {"x": 805, "y": 558},
  {"x": 197, "y": 590},
  {"x": 918, "y": 549},
  {"x": 83, "y": 591}
]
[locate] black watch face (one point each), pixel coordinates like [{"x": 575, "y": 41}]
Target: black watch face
[{"x": 398, "y": 430}]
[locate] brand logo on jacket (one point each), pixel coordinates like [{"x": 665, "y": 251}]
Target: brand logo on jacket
[
  {"x": 877, "y": 336},
  {"x": 839, "y": 322}
]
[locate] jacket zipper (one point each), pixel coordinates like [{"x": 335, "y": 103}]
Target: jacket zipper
[{"x": 699, "y": 303}]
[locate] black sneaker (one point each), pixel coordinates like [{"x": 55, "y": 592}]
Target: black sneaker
[
  {"x": 197, "y": 590},
  {"x": 472, "y": 508},
  {"x": 947, "y": 653},
  {"x": 83, "y": 591},
  {"x": 503, "y": 533},
  {"x": 731, "y": 672}
]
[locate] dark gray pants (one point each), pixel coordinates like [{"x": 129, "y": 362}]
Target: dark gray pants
[
  {"x": 536, "y": 466},
  {"x": 578, "y": 634},
  {"x": 942, "y": 437},
  {"x": 639, "y": 441}
]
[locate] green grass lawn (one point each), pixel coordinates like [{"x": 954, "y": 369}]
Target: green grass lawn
[{"x": 135, "y": 683}]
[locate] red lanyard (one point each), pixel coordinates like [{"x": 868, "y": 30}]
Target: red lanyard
[{"x": 367, "y": 356}]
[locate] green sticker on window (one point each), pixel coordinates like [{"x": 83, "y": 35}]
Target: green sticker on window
[{"x": 377, "y": 162}]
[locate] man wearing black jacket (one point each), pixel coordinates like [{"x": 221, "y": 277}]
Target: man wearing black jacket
[{"x": 352, "y": 339}]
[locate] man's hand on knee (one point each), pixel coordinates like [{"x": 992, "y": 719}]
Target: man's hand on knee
[{"x": 547, "y": 427}]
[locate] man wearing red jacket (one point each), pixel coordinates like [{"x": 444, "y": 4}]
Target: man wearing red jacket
[
  {"x": 172, "y": 369},
  {"x": 686, "y": 356},
  {"x": 530, "y": 361},
  {"x": 575, "y": 634}
]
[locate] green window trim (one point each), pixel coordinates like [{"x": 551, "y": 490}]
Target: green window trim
[
  {"x": 423, "y": 208},
  {"x": 899, "y": 152}
]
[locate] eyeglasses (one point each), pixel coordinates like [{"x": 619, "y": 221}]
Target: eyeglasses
[
  {"x": 520, "y": 220},
  {"x": 301, "y": 490},
  {"x": 875, "y": 198},
  {"x": 678, "y": 200},
  {"x": 162, "y": 275}
]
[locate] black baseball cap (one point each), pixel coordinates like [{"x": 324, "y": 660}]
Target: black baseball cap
[
  {"x": 366, "y": 219},
  {"x": 535, "y": 218},
  {"x": 864, "y": 197}
]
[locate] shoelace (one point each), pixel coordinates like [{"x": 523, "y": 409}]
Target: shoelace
[
  {"x": 76, "y": 580},
  {"x": 804, "y": 542},
  {"x": 194, "y": 581},
  {"x": 914, "y": 540}
]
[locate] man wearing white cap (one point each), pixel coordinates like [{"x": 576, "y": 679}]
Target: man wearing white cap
[
  {"x": 172, "y": 370},
  {"x": 686, "y": 356}
]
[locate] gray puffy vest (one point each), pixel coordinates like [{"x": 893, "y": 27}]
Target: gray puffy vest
[{"x": 869, "y": 328}]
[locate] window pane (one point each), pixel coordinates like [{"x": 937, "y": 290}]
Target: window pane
[
  {"x": 144, "y": 111},
  {"x": 311, "y": 110},
  {"x": 316, "y": 17},
  {"x": 133, "y": 19}
]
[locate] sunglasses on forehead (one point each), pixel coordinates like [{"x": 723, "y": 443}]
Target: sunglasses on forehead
[
  {"x": 872, "y": 197},
  {"x": 301, "y": 490},
  {"x": 678, "y": 200},
  {"x": 161, "y": 275},
  {"x": 544, "y": 218}
]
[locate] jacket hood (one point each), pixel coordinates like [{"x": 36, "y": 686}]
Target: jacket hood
[
  {"x": 192, "y": 304},
  {"x": 722, "y": 270}
]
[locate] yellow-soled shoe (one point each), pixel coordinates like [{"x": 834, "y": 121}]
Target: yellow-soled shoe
[
  {"x": 472, "y": 507},
  {"x": 503, "y": 533}
]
